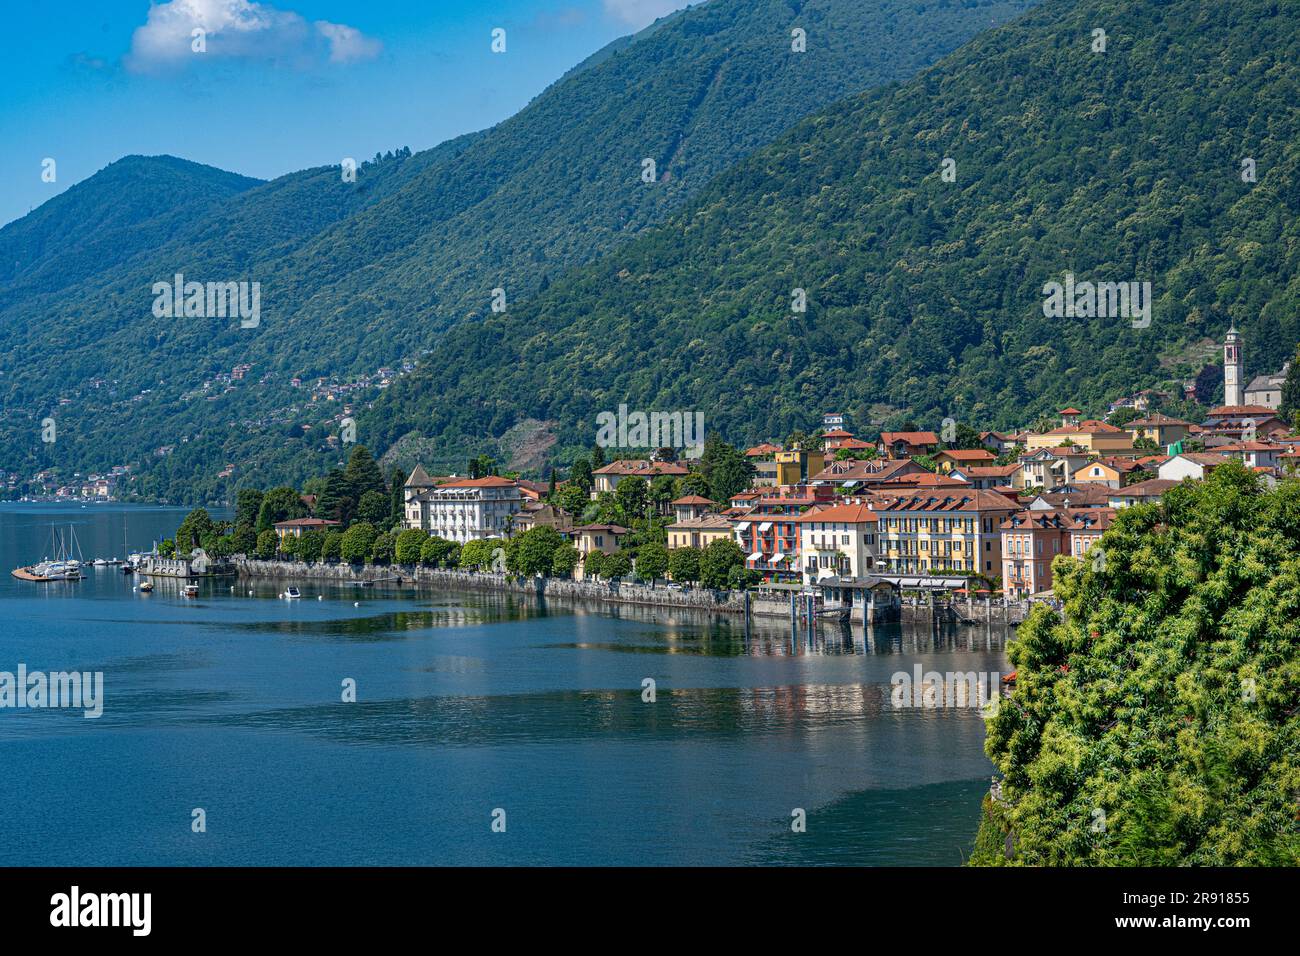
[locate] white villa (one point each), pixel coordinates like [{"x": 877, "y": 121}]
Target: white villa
[{"x": 461, "y": 509}]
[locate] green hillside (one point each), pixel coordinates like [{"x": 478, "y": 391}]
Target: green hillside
[
  {"x": 135, "y": 203},
  {"x": 358, "y": 276},
  {"x": 927, "y": 296}
]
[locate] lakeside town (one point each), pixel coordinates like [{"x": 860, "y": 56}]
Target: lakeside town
[{"x": 978, "y": 512}]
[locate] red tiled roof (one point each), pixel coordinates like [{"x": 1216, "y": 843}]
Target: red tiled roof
[
  {"x": 912, "y": 438},
  {"x": 692, "y": 500},
  {"x": 989, "y": 471},
  {"x": 962, "y": 500},
  {"x": 969, "y": 454},
  {"x": 1151, "y": 488},
  {"x": 837, "y": 433},
  {"x": 305, "y": 523},
  {"x": 1089, "y": 427},
  {"x": 848, "y": 513},
  {"x": 924, "y": 479},
  {"x": 491, "y": 481},
  {"x": 640, "y": 466},
  {"x": 1069, "y": 411},
  {"x": 1225, "y": 411},
  {"x": 766, "y": 448}
]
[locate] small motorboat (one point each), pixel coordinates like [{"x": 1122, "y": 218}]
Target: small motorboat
[
  {"x": 291, "y": 593},
  {"x": 191, "y": 590},
  {"x": 146, "y": 586}
]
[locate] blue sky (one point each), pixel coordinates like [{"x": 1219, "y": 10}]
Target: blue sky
[{"x": 282, "y": 85}]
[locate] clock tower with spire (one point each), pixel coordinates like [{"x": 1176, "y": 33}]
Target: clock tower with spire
[{"x": 1233, "y": 370}]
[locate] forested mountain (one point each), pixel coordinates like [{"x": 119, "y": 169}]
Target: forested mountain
[
  {"x": 354, "y": 276},
  {"x": 135, "y": 203},
  {"x": 925, "y": 298}
]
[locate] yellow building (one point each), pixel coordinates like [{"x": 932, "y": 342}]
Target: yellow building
[
  {"x": 698, "y": 532},
  {"x": 796, "y": 466},
  {"x": 596, "y": 537},
  {"x": 1097, "y": 437},
  {"x": 1161, "y": 429},
  {"x": 296, "y": 527}
]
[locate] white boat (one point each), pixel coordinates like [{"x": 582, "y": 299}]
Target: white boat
[
  {"x": 291, "y": 593},
  {"x": 191, "y": 590}
]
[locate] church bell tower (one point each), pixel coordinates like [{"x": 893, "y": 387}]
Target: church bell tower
[{"x": 1232, "y": 367}]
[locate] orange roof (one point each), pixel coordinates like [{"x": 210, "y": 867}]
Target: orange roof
[
  {"x": 924, "y": 479},
  {"x": 969, "y": 454},
  {"x": 766, "y": 448},
  {"x": 491, "y": 481},
  {"x": 837, "y": 433},
  {"x": 1089, "y": 427},
  {"x": 640, "y": 466},
  {"x": 990, "y": 471},
  {"x": 1069, "y": 411},
  {"x": 692, "y": 500},
  {"x": 912, "y": 438},
  {"x": 1232, "y": 410},
  {"x": 849, "y": 514},
  {"x": 305, "y": 523}
]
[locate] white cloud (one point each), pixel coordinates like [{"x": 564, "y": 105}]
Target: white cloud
[
  {"x": 242, "y": 29},
  {"x": 347, "y": 43},
  {"x": 640, "y": 13}
]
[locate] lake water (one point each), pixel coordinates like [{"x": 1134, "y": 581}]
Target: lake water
[{"x": 466, "y": 704}]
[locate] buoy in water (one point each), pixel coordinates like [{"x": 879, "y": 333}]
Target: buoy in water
[
  {"x": 356, "y": 604},
  {"x": 320, "y": 597}
]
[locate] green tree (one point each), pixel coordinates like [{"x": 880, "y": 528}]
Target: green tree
[
  {"x": 684, "y": 565},
  {"x": 616, "y": 565},
  {"x": 662, "y": 491},
  {"x": 244, "y": 539},
  {"x": 631, "y": 494},
  {"x": 571, "y": 499},
  {"x": 564, "y": 561},
  {"x": 581, "y": 477},
  {"x": 717, "y": 560},
  {"x": 374, "y": 507},
  {"x": 1162, "y": 693},
  {"x": 652, "y": 561},
  {"x": 479, "y": 553},
  {"x": 248, "y": 502},
  {"x": 1291, "y": 390},
  {"x": 267, "y": 545},
  {"x": 332, "y": 548},
  {"x": 533, "y": 551},
  {"x": 337, "y": 502},
  {"x": 593, "y": 564},
  {"x": 727, "y": 468},
  {"x": 396, "y": 497},
  {"x": 363, "y": 474},
  {"x": 279, "y": 504},
  {"x": 410, "y": 544},
  {"x": 357, "y": 541},
  {"x": 436, "y": 552},
  {"x": 289, "y": 546},
  {"x": 310, "y": 545},
  {"x": 381, "y": 551},
  {"x": 696, "y": 483},
  {"x": 197, "y": 524}
]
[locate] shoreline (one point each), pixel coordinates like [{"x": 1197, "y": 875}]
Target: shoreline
[{"x": 730, "y": 603}]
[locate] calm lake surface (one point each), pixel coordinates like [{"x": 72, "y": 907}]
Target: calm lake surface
[{"x": 466, "y": 703}]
